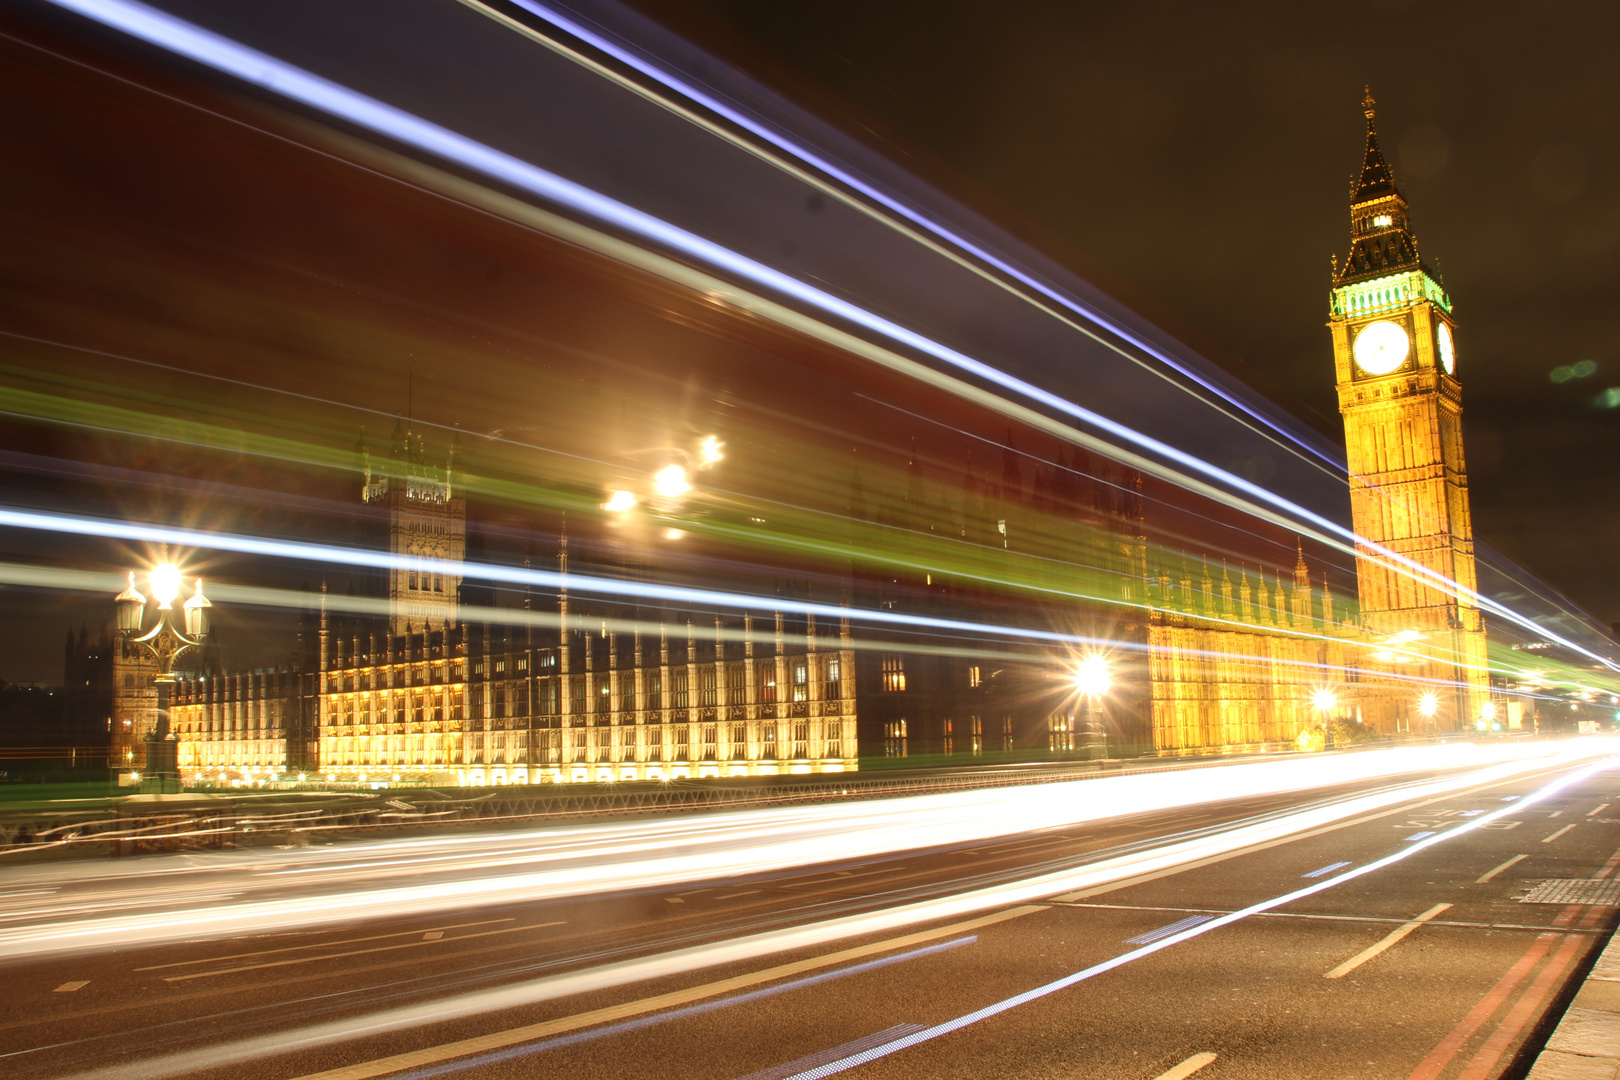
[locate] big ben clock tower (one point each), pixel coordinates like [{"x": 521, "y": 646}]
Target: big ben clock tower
[{"x": 1396, "y": 354}]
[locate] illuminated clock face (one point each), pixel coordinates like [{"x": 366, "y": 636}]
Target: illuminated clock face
[
  {"x": 1381, "y": 347},
  {"x": 1448, "y": 349}
]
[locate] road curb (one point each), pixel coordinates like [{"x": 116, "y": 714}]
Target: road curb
[{"x": 1586, "y": 1043}]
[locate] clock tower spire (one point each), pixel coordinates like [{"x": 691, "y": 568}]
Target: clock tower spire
[{"x": 1395, "y": 357}]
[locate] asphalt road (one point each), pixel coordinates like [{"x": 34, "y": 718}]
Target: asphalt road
[{"x": 1429, "y": 966}]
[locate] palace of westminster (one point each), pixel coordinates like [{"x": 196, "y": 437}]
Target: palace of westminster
[{"x": 555, "y": 688}]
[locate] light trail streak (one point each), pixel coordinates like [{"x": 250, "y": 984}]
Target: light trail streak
[
  {"x": 289, "y": 81},
  {"x": 609, "y": 587},
  {"x": 660, "y": 854},
  {"x": 907, "y": 1041},
  {"x": 1029, "y": 813},
  {"x": 823, "y": 164}
]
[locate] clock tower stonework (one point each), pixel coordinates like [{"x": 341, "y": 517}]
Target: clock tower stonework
[{"x": 1395, "y": 355}]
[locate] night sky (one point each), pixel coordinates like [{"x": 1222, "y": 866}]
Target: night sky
[{"x": 1194, "y": 158}]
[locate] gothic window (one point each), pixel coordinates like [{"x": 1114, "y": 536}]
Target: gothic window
[
  {"x": 706, "y": 680},
  {"x": 655, "y": 744},
  {"x": 833, "y": 689},
  {"x": 655, "y": 689},
  {"x": 974, "y": 676},
  {"x": 739, "y": 741},
  {"x": 767, "y": 681},
  {"x": 801, "y": 680},
  {"x": 833, "y": 746},
  {"x": 679, "y": 678},
  {"x": 768, "y": 739},
  {"x": 894, "y": 673},
  {"x": 736, "y": 682},
  {"x": 682, "y": 746},
  {"x": 801, "y": 740},
  {"x": 894, "y": 738},
  {"x": 710, "y": 737}
]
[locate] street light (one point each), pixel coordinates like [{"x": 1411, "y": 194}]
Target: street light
[
  {"x": 1324, "y": 701},
  {"x": 1091, "y": 676},
  {"x": 1429, "y": 704},
  {"x": 709, "y": 451},
  {"x": 165, "y": 644},
  {"x": 1092, "y": 679},
  {"x": 670, "y": 482}
]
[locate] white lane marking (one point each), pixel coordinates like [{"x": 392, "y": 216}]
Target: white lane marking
[
  {"x": 673, "y": 900},
  {"x": 352, "y": 952},
  {"x": 1599, "y": 810},
  {"x": 1390, "y": 939},
  {"x": 315, "y": 945},
  {"x": 1487, "y": 875},
  {"x": 734, "y": 895},
  {"x": 1188, "y": 1067},
  {"x": 906, "y": 1042},
  {"x": 1328, "y": 869},
  {"x": 1555, "y": 813},
  {"x": 433, "y": 935},
  {"x": 1557, "y": 834},
  {"x": 497, "y": 1040},
  {"x": 69, "y": 987}
]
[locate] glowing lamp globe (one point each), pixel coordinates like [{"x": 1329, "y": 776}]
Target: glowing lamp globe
[
  {"x": 1323, "y": 700},
  {"x": 1091, "y": 677},
  {"x": 165, "y": 583},
  {"x": 131, "y": 607},
  {"x": 1428, "y": 704},
  {"x": 670, "y": 482},
  {"x": 198, "y": 616}
]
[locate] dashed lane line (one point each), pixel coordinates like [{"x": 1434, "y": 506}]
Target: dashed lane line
[
  {"x": 513, "y": 1036},
  {"x": 1188, "y": 1067},
  {"x": 1487, "y": 875},
  {"x": 316, "y": 945},
  {"x": 1390, "y": 940},
  {"x": 1557, "y": 834},
  {"x": 355, "y": 952}
]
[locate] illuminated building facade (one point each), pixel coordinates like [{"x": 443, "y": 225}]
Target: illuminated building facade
[
  {"x": 557, "y": 690},
  {"x": 1236, "y": 664},
  {"x": 1395, "y": 356}
]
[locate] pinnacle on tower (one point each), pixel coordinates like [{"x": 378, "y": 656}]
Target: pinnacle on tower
[
  {"x": 1376, "y": 181},
  {"x": 1381, "y": 239}
]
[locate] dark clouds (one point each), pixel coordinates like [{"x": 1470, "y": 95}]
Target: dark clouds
[{"x": 1199, "y": 153}]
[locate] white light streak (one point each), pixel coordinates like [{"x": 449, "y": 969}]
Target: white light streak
[
  {"x": 260, "y": 69},
  {"x": 771, "y": 839}
]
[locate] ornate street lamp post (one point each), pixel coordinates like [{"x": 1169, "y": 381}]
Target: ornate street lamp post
[{"x": 165, "y": 644}]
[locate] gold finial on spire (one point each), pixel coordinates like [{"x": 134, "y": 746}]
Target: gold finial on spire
[{"x": 1367, "y": 104}]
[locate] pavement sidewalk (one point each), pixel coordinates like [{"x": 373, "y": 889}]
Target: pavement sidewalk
[{"x": 1586, "y": 1043}]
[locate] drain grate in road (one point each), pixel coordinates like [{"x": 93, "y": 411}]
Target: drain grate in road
[{"x": 1600, "y": 891}]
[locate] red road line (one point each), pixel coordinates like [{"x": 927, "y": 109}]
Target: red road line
[
  {"x": 1609, "y": 867},
  {"x": 1528, "y": 1006},
  {"x": 1442, "y": 1055}
]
